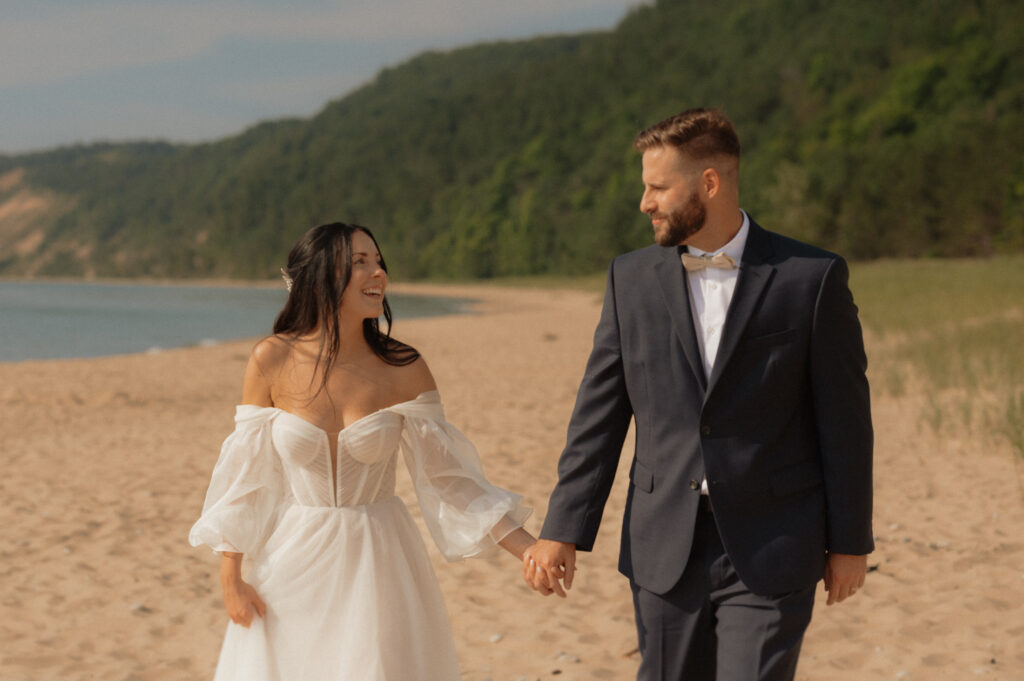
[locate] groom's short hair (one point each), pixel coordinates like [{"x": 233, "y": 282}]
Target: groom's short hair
[{"x": 698, "y": 133}]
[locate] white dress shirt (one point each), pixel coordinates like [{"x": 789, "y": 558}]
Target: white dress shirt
[{"x": 711, "y": 292}]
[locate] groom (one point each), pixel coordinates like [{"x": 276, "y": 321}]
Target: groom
[{"x": 738, "y": 354}]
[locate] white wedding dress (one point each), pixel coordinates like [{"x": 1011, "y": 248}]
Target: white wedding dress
[{"x": 335, "y": 555}]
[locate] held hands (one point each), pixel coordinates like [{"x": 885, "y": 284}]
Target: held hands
[
  {"x": 548, "y": 565},
  {"x": 844, "y": 574}
]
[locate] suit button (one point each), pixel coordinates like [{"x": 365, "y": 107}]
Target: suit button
[
  {"x": 705, "y": 430},
  {"x": 695, "y": 485}
]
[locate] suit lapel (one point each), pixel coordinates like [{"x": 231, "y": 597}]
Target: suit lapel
[
  {"x": 669, "y": 271},
  {"x": 754, "y": 275}
]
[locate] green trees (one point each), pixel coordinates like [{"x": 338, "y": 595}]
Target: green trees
[{"x": 873, "y": 128}]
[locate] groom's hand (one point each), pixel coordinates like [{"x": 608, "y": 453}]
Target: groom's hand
[
  {"x": 844, "y": 574},
  {"x": 547, "y": 564}
]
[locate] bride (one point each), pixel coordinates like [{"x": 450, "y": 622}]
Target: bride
[{"x": 338, "y": 584}]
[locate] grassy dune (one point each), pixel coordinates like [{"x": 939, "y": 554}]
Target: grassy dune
[{"x": 951, "y": 333}]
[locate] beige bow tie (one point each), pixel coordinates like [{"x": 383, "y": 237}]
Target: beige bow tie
[{"x": 696, "y": 263}]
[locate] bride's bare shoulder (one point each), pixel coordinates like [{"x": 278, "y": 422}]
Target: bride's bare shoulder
[
  {"x": 415, "y": 378},
  {"x": 267, "y": 358},
  {"x": 271, "y": 352}
]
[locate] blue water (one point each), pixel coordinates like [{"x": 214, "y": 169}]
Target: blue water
[{"x": 46, "y": 320}]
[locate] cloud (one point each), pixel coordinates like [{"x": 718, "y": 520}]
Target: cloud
[
  {"x": 192, "y": 69},
  {"x": 57, "y": 41}
]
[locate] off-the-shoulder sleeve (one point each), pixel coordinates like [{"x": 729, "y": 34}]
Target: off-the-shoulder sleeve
[
  {"x": 463, "y": 511},
  {"x": 245, "y": 490}
]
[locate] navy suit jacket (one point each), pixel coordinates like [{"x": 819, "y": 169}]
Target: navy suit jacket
[{"x": 781, "y": 428}]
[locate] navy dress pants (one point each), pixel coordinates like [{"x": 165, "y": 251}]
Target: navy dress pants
[{"x": 710, "y": 627}]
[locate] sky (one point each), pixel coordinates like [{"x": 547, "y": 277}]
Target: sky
[{"x": 74, "y": 71}]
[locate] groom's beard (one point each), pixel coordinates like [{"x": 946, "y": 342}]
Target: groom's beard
[{"x": 683, "y": 223}]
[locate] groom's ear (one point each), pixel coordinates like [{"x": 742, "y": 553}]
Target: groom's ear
[
  {"x": 711, "y": 182},
  {"x": 721, "y": 174}
]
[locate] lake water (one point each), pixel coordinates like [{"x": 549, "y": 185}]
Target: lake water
[{"x": 46, "y": 320}]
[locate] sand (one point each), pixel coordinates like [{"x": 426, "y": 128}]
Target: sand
[{"x": 106, "y": 461}]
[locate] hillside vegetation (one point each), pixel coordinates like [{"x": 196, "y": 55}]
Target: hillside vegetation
[{"x": 872, "y": 128}]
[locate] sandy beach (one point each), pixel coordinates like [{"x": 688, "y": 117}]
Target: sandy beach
[{"x": 105, "y": 464}]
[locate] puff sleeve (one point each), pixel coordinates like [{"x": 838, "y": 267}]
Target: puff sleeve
[
  {"x": 465, "y": 514},
  {"x": 246, "y": 488}
]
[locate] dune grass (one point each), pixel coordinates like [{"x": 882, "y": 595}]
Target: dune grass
[{"x": 952, "y": 330}]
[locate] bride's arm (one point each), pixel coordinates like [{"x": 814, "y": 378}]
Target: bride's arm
[
  {"x": 517, "y": 541},
  {"x": 240, "y": 599}
]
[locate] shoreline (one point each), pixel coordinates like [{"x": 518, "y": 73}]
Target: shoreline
[
  {"x": 86, "y": 340},
  {"x": 514, "y": 282},
  {"x": 146, "y": 281}
]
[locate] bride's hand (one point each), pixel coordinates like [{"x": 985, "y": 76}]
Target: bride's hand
[
  {"x": 547, "y": 565},
  {"x": 240, "y": 600}
]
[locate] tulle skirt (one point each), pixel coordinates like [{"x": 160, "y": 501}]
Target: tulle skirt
[{"x": 350, "y": 595}]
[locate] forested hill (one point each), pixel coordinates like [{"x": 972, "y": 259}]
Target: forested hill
[{"x": 872, "y": 128}]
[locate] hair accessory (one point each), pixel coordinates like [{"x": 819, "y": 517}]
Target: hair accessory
[{"x": 288, "y": 281}]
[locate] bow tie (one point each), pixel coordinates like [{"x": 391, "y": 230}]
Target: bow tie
[{"x": 696, "y": 263}]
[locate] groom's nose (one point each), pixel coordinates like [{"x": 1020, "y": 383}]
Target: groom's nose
[{"x": 646, "y": 204}]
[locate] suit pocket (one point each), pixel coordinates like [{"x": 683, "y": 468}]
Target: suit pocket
[
  {"x": 641, "y": 477},
  {"x": 797, "y": 478},
  {"x": 776, "y": 338}
]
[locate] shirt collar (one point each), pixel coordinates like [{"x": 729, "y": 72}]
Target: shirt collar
[{"x": 734, "y": 248}]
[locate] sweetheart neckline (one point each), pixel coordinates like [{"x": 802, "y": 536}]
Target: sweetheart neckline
[
  {"x": 326, "y": 432},
  {"x": 357, "y": 421}
]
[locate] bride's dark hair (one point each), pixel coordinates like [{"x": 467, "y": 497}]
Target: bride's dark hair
[{"x": 320, "y": 266}]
